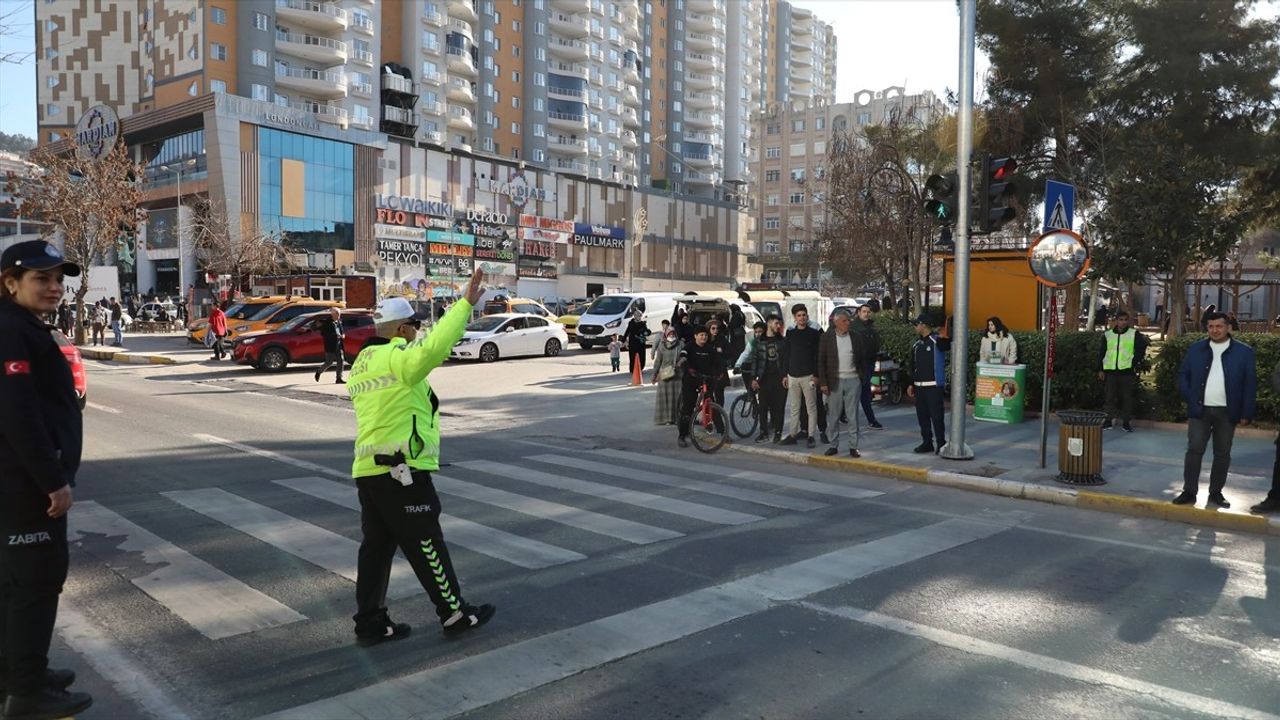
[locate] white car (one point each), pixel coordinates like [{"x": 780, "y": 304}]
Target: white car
[{"x": 510, "y": 335}]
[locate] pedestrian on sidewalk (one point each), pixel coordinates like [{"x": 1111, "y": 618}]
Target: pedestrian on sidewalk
[
  {"x": 928, "y": 376},
  {"x": 117, "y": 323},
  {"x": 636, "y": 338},
  {"x": 98, "y": 317},
  {"x": 666, "y": 325},
  {"x": 615, "y": 353},
  {"x": 218, "y": 328},
  {"x": 767, "y": 374},
  {"x": 864, "y": 326},
  {"x": 397, "y": 448},
  {"x": 718, "y": 339},
  {"x": 1123, "y": 351},
  {"x": 802, "y": 373},
  {"x": 1218, "y": 379},
  {"x": 41, "y": 436},
  {"x": 666, "y": 376},
  {"x": 1272, "y": 502},
  {"x": 64, "y": 317},
  {"x": 332, "y": 336},
  {"x": 841, "y": 356},
  {"x": 699, "y": 363}
]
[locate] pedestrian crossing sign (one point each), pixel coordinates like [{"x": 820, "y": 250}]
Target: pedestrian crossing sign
[{"x": 1059, "y": 205}]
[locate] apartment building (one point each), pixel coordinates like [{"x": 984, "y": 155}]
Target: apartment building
[
  {"x": 800, "y": 61},
  {"x": 791, "y": 168}
]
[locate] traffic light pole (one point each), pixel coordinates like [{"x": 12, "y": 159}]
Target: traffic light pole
[{"x": 956, "y": 449}]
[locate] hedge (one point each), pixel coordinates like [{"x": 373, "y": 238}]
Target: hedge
[{"x": 1172, "y": 408}]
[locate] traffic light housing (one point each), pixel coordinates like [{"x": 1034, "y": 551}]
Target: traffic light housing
[
  {"x": 995, "y": 188},
  {"x": 942, "y": 204}
]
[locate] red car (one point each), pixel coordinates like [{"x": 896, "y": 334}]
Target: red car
[
  {"x": 299, "y": 341},
  {"x": 72, "y": 354}
]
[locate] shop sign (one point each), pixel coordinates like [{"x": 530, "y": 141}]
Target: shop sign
[
  {"x": 547, "y": 272},
  {"x": 546, "y": 223},
  {"x": 404, "y": 253},
  {"x": 496, "y": 268},
  {"x": 490, "y": 248},
  {"x": 449, "y": 265},
  {"x": 277, "y": 117},
  {"x": 453, "y": 238},
  {"x": 484, "y": 215},
  {"x": 539, "y": 249},
  {"x": 497, "y": 232},
  {"x": 605, "y": 236},
  {"x": 396, "y": 232},
  {"x": 449, "y": 249},
  {"x": 96, "y": 132},
  {"x": 516, "y": 188},
  {"x": 413, "y": 205},
  {"x": 598, "y": 241}
]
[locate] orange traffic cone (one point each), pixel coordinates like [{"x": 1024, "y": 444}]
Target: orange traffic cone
[{"x": 635, "y": 374}]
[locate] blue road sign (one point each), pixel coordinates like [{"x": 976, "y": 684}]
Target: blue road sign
[{"x": 1059, "y": 205}]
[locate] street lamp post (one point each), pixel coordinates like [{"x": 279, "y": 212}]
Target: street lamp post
[{"x": 177, "y": 169}]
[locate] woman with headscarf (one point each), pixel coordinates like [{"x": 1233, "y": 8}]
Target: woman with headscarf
[
  {"x": 667, "y": 377},
  {"x": 634, "y": 338}
]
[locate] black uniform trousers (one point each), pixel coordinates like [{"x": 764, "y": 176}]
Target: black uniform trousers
[
  {"x": 405, "y": 517},
  {"x": 33, "y": 567},
  {"x": 930, "y": 414},
  {"x": 1274, "y": 493},
  {"x": 865, "y": 397},
  {"x": 773, "y": 403},
  {"x": 1120, "y": 387}
]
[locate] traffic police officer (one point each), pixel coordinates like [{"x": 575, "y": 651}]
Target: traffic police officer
[
  {"x": 397, "y": 448},
  {"x": 40, "y": 439}
]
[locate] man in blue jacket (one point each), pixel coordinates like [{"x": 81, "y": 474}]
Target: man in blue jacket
[{"x": 1219, "y": 381}]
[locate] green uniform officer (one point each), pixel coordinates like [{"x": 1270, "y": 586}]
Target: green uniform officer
[
  {"x": 397, "y": 448},
  {"x": 1123, "y": 351}
]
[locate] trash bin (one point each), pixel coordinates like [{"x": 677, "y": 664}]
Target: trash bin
[
  {"x": 1080, "y": 447},
  {"x": 1144, "y": 320}
]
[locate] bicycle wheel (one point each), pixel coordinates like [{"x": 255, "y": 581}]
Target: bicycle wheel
[
  {"x": 708, "y": 431},
  {"x": 743, "y": 416}
]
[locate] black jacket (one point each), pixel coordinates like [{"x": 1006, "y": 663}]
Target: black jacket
[
  {"x": 331, "y": 333},
  {"x": 802, "y": 351},
  {"x": 703, "y": 360},
  {"x": 636, "y": 335},
  {"x": 768, "y": 358},
  {"x": 40, "y": 425},
  {"x": 870, "y": 342}
]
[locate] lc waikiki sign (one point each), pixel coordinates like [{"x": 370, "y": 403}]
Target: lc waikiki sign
[
  {"x": 412, "y": 212},
  {"x": 96, "y": 132}
]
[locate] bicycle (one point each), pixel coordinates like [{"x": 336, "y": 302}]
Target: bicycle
[
  {"x": 708, "y": 424},
  {"x": 744, "y": 414}
]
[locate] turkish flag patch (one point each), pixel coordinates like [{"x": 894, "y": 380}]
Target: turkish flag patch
[{"x": 17, "y": 367}]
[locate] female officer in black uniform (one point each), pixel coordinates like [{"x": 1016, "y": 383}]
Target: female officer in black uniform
[{"x": 40, "y": 438}]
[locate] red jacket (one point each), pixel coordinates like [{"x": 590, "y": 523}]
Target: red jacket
[{"x": 218, "y": 322}]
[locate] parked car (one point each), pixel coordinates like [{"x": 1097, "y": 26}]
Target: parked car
[
  {"x": 152, "y": 311},
  {"x": 237, "y": 312},
  {"x": 570, "y": 324},
  {"x": 502, "y": 304},
  {"x": 74, "y": 359},
  {"x": 273, "y": 316},
  {"x": 510, "y": 335},
  {"x": 299, "y": 341}
]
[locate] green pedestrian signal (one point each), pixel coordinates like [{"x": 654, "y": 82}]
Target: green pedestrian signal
[{"x": 941, "y": 204}]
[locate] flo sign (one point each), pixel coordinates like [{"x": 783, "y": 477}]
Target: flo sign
[{"x": 97, "y": 132}]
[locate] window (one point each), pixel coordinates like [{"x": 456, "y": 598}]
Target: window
[
  {"x": 218, "y": 16},
  {"x": 193, "y": 52},
  {"x": 515, "y": 128},
  {"x": 771, "y": 200},
  {"x": 771, "y": 246},
  {"x": 797, "y": 198},
  {"x": 797, "y": 246},
  {"x": 515, "y": 102},
  {"x": 538, "y": 104},
  {"x": 51, "y": 81},
  {"x": 55, "y": 136},
  {"x": 864, "y": 118},
  {"x": 772, "y": 175},
  {"x": 796, "y": 222},
  {"x": 218, "y": 51},
  {"x": 797, "y": 175},
  {"x": 797, "y": 126},
  {"x": 515, "y": 76},
  {"x": 539, "y": 130},
  {"x": 515, "y": 25},
  {"x": 260, "y": 58},
  {"x": 282, "y": 100},
  {"x": 797, "y": 150},
  {"x": 259, "y": 92},
  {"x": 51, "y": 109},
  {"x": 194, "y": 88},
  {"x": 50, "y": 53},
  {"x": 218, "y": 86},
  {"x": 820, "y": 147},
  {"x": 539, "y": 155},
  {"x": 540, "y": 54},
  {"x": 773, "y": 152},
  {"x": 515, "y": 50},
  {"x": 772, "y": 223},
  {"x": 819, "y": 123},
  {"x": 539, "y": 79},
  {"x": 260, "y": 21}
]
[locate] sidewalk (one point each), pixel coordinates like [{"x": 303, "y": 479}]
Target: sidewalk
[
  {"x": 1143, "y": 469},
  {"x": 148, "y": 349}
]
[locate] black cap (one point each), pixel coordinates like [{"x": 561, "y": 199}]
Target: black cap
[
  {"x": 922, "y": 319},
  {"x": 37, "y": 255}
]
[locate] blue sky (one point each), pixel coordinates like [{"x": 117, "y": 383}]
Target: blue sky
[{"x": 18, "y": 82}]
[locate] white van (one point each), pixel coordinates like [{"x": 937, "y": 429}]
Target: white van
[{"x": 610, "y": 314}]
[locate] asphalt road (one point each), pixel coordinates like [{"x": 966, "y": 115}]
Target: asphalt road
[{"x": 215, "y": 545}]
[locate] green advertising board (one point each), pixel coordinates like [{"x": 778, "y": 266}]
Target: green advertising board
[{"x": 999, "y": 393}]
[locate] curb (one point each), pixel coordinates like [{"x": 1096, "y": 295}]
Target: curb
[
  {"x": 1070, "y": 497},
  {"x": 127, "y": 358}
]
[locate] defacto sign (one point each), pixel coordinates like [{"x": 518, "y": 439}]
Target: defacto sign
[
  {"x": 605, "y": 236},
  {"x": 96, "y": 132},
  {"x": 516, "y": 188}
]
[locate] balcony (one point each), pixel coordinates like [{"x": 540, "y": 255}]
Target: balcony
[
  {"x": 631, "y": 73},
  {"x": 566, "y": 145},
  {"x": 398, "y": 84},
  {"x": 703, "y": 22},
  {"x": 631, "y": 8},
  {"x": 463, "y": 28},
  {"x": 364, "y": 57},
  {"x": 596, "y": 30},
  {"x": 630, "y": 117},
  {"x": 702, "y": 137},
  {"x": 629, "y": 160},
  {"x": 579, "y": 71},
  {"x": 461, "y": 118},
  {"x": 801, "y": 56},
  {"x": 329, "y": 84},
  {"x": 362, "y": 23},
  {"x": 435, "y": 137},
  {"x": 573, "y": 122},
  {"x": 331, "y": 114},
  {"x": 394, "y": 114},
  {"x": 703, "y": 160},
  {"x": 629, "y": 139},
  {"x": 631, "y": 29},
  {"x": 568, "y": 49},
  {"x": 704, "y": 42},
  {"x": 434, "y": 49},
  {"x": 324, "y": 17},
  {"x": 701, "y": 178},
  {"x": 461, "y": 90},
  {"x": 431, "y": 108},
  {"x": 702, "y": 61},
  {"x": 465, "y": 9},
  {"x": 312, "y": 47},
  {"x": 572, "y": 6},
  {"x": 362, "y": 89},
  {"x": 432, "y": 78},
  {"x": 802, "y": 26},
  {"x": 614, "y": 156},
  {"x": 564, "y": 93},
  {"x": 701, "y": 81},
  {"x": 707, "y": 6},
  {"x": 702, "y": 119},
  {"x": 703, "y": 100},
  {"x": 596, "y": 150},
  {"x": 460, "y": 61},
  {"x": 596, "y": 102},
  {"x": 572, "y": 167},
  {"x": 630, "y": 96},
  {"x": 570, "y": 25},
  {"x": 433, "y": 18}
]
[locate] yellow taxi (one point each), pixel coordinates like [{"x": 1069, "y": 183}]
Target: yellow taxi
[
  {"x": 570, "y": 323},
  {"x": 273, "y": 316},
  {"x": 237, "y": 313}
]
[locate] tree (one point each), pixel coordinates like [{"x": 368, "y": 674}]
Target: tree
[
  {"x": 89, "y": 204},
  {"x": 17, "y": 143},
  {"x": 223, "y": 249}
]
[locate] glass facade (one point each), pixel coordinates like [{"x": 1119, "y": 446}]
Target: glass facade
[{"x": 323, "y": 191}]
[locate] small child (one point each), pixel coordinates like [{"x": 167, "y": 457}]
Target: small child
[{"x": 615, "y": 352}]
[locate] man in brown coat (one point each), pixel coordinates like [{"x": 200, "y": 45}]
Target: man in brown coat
[{"x": 841, "y": 356}]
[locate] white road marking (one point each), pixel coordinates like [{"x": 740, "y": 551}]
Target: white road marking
[
  {"x": 318, "y": 546},
  {"x": 791, "y": 483},
  {"x": 102, "y": 408},
  {"x": 320, "y": 469},
  {"x": 673, "y": 506},
  {"x": 521, "y": 551},
  {"x": 496, "y": 675},
  {"x": 632, "y": 473},
  {"x": 208, "y": 599},
  {"x": 1158, "y": 693},
  {"x": 608, "y": 525},
  {"x": 125, "y": 673}
]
